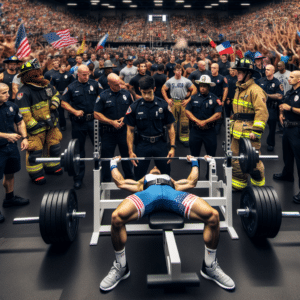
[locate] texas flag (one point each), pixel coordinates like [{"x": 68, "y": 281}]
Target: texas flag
[
  {"x": 102, "y": 42},
  {"x": 225, "y": 48}
]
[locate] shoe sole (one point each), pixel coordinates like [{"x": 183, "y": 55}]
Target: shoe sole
[
  {"x": 13, "y": 204},
  {"x": 112, "y": 287},
  {"x": 216, "y": 281}
]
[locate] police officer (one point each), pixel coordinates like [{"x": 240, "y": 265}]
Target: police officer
[
  {"x": 203, "y": 110},
  {"x": 10, "y": 161},
  {"x": 79, "y": 100},
  {"x": 49, "y": 74},
  {"x": 110, "y": 109},
  {"x": 289, "y": 117},
  {"x": 231, "y": 81},
  {"x": 274, "y": 90},
  {"x": 8, "y": 75},
  {"x": 220, "y": 89},
  {"x": 151, "y": 117},
  {"x": 60, "y": 81}
]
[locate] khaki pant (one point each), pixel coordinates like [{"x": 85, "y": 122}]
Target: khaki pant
[
  {"x": 42, "y": 142},
  {"x": 178, "y": 112},
  {"x": 239, "y": 180}
]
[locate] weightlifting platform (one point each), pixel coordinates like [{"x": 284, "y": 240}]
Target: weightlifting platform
[{"x": 31, "y": 269}]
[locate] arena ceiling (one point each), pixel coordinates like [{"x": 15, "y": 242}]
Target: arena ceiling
[{"x": 161, "y": 5}]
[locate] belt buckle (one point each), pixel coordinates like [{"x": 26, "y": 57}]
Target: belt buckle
[{"x": 152, "y": 139}]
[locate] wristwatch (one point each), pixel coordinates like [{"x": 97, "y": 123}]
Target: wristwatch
[
  {"x": 25, "y": 137},
  {"x": 291, "y": 109},
  {"x": 173, "y": 146}
]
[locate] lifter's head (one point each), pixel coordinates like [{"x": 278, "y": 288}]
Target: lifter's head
[{"x": 155, "y": 171}]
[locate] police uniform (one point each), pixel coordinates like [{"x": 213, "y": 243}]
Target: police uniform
[
  {"x": 218, "y": 90},
  {"x": 150, "y": 118},
  {"x": 114, "y": 105},
  {"x": 60, "y": 81},
  {"x": 203, "y": 107},
  {"x": 250, "y": 116},
  {"x": 271, "y": 87},
  {"x": 10, "y": 162},
  {"x": 291, "y": 135},
  {"x": 82, "y": 96}
]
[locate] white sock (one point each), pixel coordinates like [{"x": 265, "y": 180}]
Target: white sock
[
  {"x": 121, "y": 257},
  {"x": 209, "y": 256}
]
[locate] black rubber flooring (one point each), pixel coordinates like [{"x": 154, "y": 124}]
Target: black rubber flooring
[{"x": 30, "y": 269}]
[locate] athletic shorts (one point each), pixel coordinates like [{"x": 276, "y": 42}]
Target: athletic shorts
[
  {"x": 10, "y": 161},
  {"x": 162, "y": 197}
]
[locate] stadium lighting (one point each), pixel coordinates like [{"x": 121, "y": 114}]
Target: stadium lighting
[
  {"x": 245, "y": 4},
  {"x": 208, "y": 6},
  {"x": 105, "y": 4},
  {"x": 71, "y": 4},
  {"x": 111, "y": 6},
  {"x": 158, "y": 4},
  {"x": 223, "y": 1},
  {"x": 215, "y": 4},
  {"x": 133, "y": 5},
  {"x": 158, "y": 1},
  {"x": 179, "y": 1},
  {"x": 127, "y": 1},
  {"x": 94, "y": 3},
  {"x": 187, "y": 6}
]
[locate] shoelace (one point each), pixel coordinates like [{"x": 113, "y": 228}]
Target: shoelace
[
  {"x": 219, "y": 272},
  {"x": 113, "y": 270}
]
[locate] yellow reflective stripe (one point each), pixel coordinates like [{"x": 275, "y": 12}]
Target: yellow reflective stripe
[
  {"x": 24, "y": 110},
  {"x": 35, "y": 168},
  {"x": 38, "y": 130},
  {"x": 52, "y": 164},
  {"x": 238, "y": 184},
  {"x": 258, "y": 135},
  {"x": 184, "y": 139},
  {"x": 243, "y": 103},
  {"x": 236, "y": 134},
  {"x": 258, "y": 183},
  {"x": 259, "y": 124},
  {"x": 40, "y": 105},
  {"x": 31, "y": 123}
]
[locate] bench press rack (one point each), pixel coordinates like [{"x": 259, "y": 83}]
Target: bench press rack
[{"x": 102, "y": 199}]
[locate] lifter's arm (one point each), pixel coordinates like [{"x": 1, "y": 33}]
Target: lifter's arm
[
  {"x": 191, "y": 181},
  {"x": 121, "y": 183}
]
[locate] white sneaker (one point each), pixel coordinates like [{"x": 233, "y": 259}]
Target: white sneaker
[
  {"x": 216, "y": 274},
  {"x": 115, "y": 275}
]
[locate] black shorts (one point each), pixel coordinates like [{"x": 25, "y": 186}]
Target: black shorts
[{"x": 10, "y": 161}]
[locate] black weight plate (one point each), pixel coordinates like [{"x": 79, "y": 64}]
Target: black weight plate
[
  {"x": 76, "y": 154},
  {"x": 278, "y": 211},
  {"x": 58, "y": 216},
  {"x": 42, "y": 218},
  {"x": 252, "y": 223},
  {"x": 271, "y": 210},
  {"x": 69, "y": 158},
  {"x": 48, "y": 217},
  {"x": 54, "y": 238},
  {"x": 254, "y": 160},
  {"x": 245, "y": 148},
  {"x": 264, "y": 211},
  {"x": 70, "y": 225}
]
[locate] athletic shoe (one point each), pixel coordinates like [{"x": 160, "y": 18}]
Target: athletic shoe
[
  {"x": 216, "y": 274},
  {"x": 15, "y": 201},
  {"x": 115, "y": 275}
]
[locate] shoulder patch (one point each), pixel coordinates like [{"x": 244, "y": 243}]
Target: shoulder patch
[
  {"x": 225, "y": 79},
  {"x": 20, "y": 96},
  {"x": 99, "y": 85},
  {"x": 98, "y": 99},
  {"x": 129, "y": 110},
  {"x": 65, "y": 91},
  {"x": 219, "y": 102},
  {"x": 20, "y": 115}
]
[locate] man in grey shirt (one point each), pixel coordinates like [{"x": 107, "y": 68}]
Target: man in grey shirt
[
  {"x": 129, "y": 71},
  {"x": 283, "y": 76},
  {"x": 181, "y": 90}
]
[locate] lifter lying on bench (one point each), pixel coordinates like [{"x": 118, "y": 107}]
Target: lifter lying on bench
[{"x": 155, "y": 191}]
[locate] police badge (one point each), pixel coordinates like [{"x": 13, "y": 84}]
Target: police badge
[
  {"x": 160, "y": 110},
  {"x": 296, "y": 98},
  {"x": 11, "y": 109},
  {"x": 210, "y": 102},
  {"x": 49, "y": 92},
  {"x": 124, "y": 97},
  {"x": 91, "y": 88},
  {"x": 66, "y": 76}
]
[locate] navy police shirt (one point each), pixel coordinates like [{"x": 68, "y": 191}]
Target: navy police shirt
[{"x": 292, "y": 98}]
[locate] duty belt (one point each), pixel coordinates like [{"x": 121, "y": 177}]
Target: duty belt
[
  {"x": 88, "y": 117},
  {"x": 107, "y": 128},
  {"x": 159, "y": 181},
  {"x": 243, "y": 117},
  {"x": 289, "y": 124},
  {"x": 151, "y": 139}
]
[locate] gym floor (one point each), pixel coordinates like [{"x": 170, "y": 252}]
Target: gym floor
[{"x": 30, "y": 269}]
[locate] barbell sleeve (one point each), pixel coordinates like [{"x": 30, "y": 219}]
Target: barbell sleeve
[
  {"x": 28, "y": 220},
  {"x": 291, "y": 214},
  {"x": 243, "y": 212}
]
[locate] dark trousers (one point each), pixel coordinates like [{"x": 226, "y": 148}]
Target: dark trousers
[
  {"x": 109, "y": 142},
  {"x": 228, "y": 109},
  {"x": 291, "y": 150},
  {"x": 62, "y": 119},
  {"x": 272, "y": 121},
  {"x": 147, "y": 149},
  {"x": 80, "y": 131},
  {"x": 208, "y": 138}
]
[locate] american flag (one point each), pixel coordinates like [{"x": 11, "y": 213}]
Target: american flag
[
  {"x": 22, "y": 45},
  {"x": 60, "y": 38}
]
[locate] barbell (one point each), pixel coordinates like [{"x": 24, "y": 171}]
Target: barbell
[
  {"x": 261, "y": 213},
  {"x": 59, "y": 219},
  {"x": 70, "y": 159}
]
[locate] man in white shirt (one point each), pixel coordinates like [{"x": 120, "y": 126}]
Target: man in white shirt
[{"x": 283, "y": 76}]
